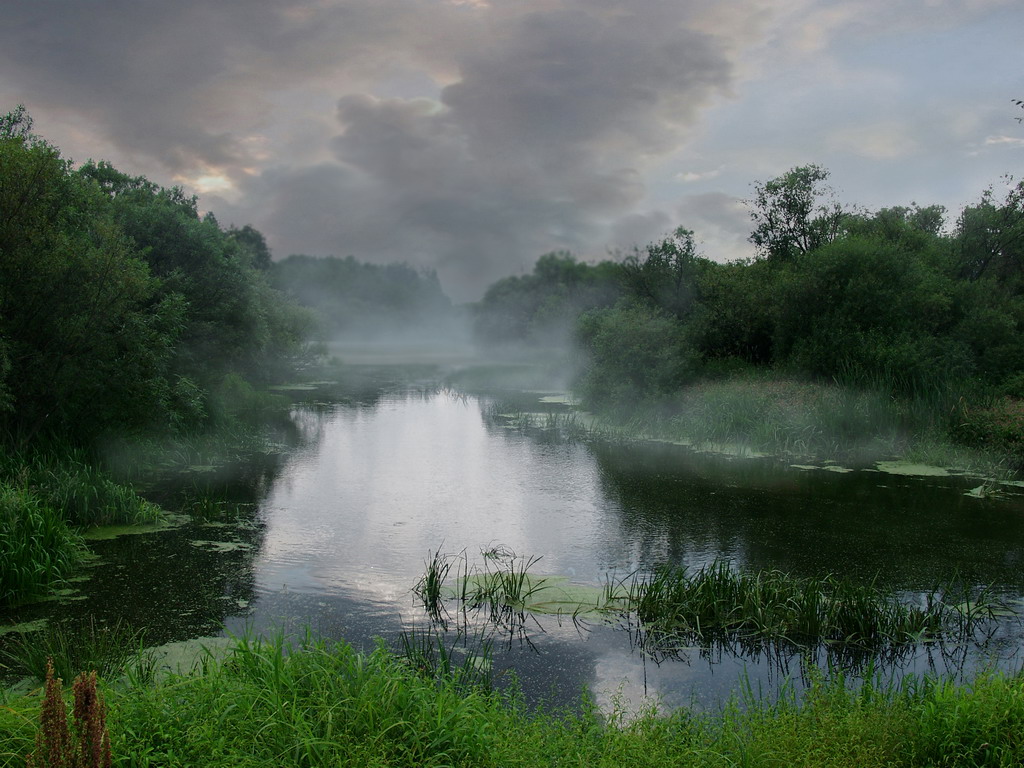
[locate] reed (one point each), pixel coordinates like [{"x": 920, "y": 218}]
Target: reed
[
  {"x": 37, "y": 548},
  {"x": 430, "y": 587},
  {"x": 463, "y": 657},
  {"x": 718, "y": 604},
  {"x": 71, "y": 650}
]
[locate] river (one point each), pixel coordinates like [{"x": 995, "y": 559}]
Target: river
[{"x": 334, "y": 533}]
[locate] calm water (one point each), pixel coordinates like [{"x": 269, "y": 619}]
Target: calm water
[{"x": 335, "y": 533}]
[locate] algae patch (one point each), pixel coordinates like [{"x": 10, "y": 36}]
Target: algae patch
[
  {"x": 24, "y": 628},
  {"x": 221, "y": 546},
  {"x": 911, "y": 470},
  {"x": 105, "y": 532},
  {"x": 185, "y": 656}
]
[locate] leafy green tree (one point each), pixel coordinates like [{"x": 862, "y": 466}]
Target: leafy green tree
[
  {"x": 235, "y": 321},
  {"x": 794, "y": 214},
  {"x": 990, "y": 239},
  {"x": 868, "y": 312},
  {"x": 87, "y": 338},
  {"x": 542, "y": 307},
  {"x": 666, "y": 273}
]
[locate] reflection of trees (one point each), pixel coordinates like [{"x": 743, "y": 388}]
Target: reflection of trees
[{"x": 911, "y": 532}]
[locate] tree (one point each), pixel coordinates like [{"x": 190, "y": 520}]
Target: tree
[
  {"x": 85, "y": 336},
  {"x": 795, "y": 213},
  {"x": 665, "y": 273}
]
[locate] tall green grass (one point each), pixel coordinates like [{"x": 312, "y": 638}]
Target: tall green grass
[
  {"x": 46, "y": 497},
  {"x": 324, "y": 704},
  {"x": 37, "y": 547},
  {"x": 76, "y": 649},
  {"x": 717, "y": 604}
]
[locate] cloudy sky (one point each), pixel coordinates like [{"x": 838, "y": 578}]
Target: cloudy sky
[{"x": 471, "y": 136}]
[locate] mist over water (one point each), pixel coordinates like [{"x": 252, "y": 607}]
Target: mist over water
[{"x": 394, "y": 466}]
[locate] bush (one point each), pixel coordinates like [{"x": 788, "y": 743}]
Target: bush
[{"x": 632, "y": 353}]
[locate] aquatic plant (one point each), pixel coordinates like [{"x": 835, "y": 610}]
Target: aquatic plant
[
  {"x": 73, "y": 649},
  {"x": 719, "y": 604},
  {"x": 37, "y": 548},
  {"x": 431, "y": 585},
  {"x": 462, "y": 656}
]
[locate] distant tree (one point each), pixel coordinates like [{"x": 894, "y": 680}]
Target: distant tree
[
  {"x": 665, "y": 273},
  {"x": 253, "y": 244},
  {"x": 990, "y": 238},
  {"x": 543, "y": 307},
  {"x": 795, "y": 213}
]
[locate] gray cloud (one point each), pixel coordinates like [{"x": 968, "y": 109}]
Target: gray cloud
[{"x": 473, "y": 136}]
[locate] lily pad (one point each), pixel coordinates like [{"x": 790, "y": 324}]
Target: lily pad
[{"x": 221, "y": 546}]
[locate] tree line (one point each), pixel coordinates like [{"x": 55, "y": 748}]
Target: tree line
[{"x": 900, "y": 299}]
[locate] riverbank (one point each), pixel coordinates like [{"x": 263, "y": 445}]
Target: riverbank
[
  {"x": 326, "y": 704},
  {"x": 772, "y": 415}
]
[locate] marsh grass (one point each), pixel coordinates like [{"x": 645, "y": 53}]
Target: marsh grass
[
  {"x": 771, "y": 414},
  {"x": 323, "y": 703},
  {"x": 46, "y": 497},
  {"x": 37, "y": 547},
  {"x": 717, "y": 608},
  {"x": 755, "y": 610},
  {"x": 463, "y": 657},
  {"x": 546, "y": 422},
  {"x": 76, "y": 649},
  {"x": 503, "y": 586}
]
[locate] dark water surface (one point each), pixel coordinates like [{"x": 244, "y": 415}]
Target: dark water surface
[{"x": 334, "y": 535}]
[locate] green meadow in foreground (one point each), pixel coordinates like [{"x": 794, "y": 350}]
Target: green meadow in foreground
[{"x": 325, "y": 704}]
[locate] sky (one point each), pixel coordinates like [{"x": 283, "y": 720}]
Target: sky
[{"x": 472, "y": 136}]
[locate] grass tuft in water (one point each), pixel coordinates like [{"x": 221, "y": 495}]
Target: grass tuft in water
[
  {"x": 718, "y": 604},
  {"x": 461, "y": 657},
  {"x": 106, "y": 649}
]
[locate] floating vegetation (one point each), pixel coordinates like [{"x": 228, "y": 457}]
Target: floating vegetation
[
  {"x": 910, "y": 469},
  {"x": 106, "y": 532}
]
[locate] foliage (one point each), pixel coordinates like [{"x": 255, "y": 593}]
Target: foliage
[
  {"x": 632, "y": 352},
  {"x": 365, "y": 300},
  {"x": 87, "y": 340},
  {"x": 541, "y": 308},
  {"x": 56, "y": 745},
  {"x": 794, "y": 213},
  {"x": 887, "y": 303},
  {"x": 666, "y": 274}
]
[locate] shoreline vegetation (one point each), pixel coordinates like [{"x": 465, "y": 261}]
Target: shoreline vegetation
[
  {"x": 137, "y": 333},
  {"x": 265, "y": 703}
]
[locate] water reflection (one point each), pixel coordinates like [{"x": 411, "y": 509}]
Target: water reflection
[{"x": 334, "y": 535}]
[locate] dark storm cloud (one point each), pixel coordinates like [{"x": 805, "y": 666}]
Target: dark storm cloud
[
  {"x": 538, "y": 146},
  {"x": 543, "y": 118}
]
